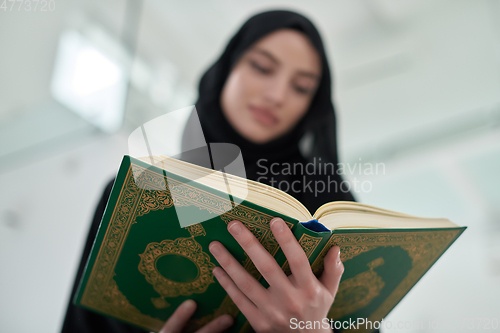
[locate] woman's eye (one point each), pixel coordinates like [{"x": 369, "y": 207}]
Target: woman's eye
[
  {"x": 302, "y": 90},
  {"x": 260, "y": 68}
]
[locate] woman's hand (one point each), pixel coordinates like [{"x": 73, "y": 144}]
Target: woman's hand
[
  {"x": 180, "y": 317},
  {"x": 300, "y": 297}
]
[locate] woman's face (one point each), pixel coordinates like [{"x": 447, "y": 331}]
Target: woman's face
[{"x": 271, "y": 87}]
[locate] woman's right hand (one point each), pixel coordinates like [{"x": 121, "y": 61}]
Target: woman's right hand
[
  {"x": 300, "y": 296},
  {"x": 180, "y": 317}
]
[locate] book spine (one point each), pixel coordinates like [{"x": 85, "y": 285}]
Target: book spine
[
  {"x": 317, "y": 261},
  {"x": 312, "y": 242}
]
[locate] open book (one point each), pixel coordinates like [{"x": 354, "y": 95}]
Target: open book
[{"x": 151, "y": 250}]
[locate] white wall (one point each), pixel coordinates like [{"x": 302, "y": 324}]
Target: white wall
[{"x": 416, "y": 87}]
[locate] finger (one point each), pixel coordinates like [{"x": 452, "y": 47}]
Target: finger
[
  {"x": 333, "y": 270},
  {"x": 246, "y": 306},
  {"x": 219, "y": 324},
  {"x": 262, "y": 259},
  {"x": 180, "y": 317},
  {"x": 245, "y": 282},
  {"x": 297, "y": 259}
]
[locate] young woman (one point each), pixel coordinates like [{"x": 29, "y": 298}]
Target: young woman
[{"x": 270, "y": 94}]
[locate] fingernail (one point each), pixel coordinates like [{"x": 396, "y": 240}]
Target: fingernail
[
  {"x": 235, "y": 229},
  {"x": 338, "y": 258},
  {"x": 226, "y": 321},
  {"x": 277, "y": 224},
  {"x": 216, "y": 272},
  {"x": 189, "y": 304},
  {"x": 214, "y": 249}
]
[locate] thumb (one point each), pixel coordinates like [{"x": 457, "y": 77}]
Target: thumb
[
  {"x": 333, "y": 270},
  {"x": 180, "y": 317}
]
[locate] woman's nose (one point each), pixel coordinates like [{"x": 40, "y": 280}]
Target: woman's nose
[{"x": 276, "y": 90}]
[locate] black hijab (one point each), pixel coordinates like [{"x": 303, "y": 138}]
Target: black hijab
[{"x": 318, "y": 124}]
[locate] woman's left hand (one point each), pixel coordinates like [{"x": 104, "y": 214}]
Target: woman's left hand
[{"x": 290, "y": 301}]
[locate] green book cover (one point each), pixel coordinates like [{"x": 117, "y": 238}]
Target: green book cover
[{"x": 143, "y": 265}]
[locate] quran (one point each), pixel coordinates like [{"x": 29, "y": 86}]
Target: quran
[{"x": 151, "y": 251}]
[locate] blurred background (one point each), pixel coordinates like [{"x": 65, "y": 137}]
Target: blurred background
[{"x": 416, "y": 86}]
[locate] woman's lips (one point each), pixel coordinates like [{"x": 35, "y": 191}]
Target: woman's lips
[{"x": 263, "y": 116}]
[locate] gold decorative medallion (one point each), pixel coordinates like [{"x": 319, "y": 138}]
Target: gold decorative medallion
[{"x": 184, "y": 247}]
